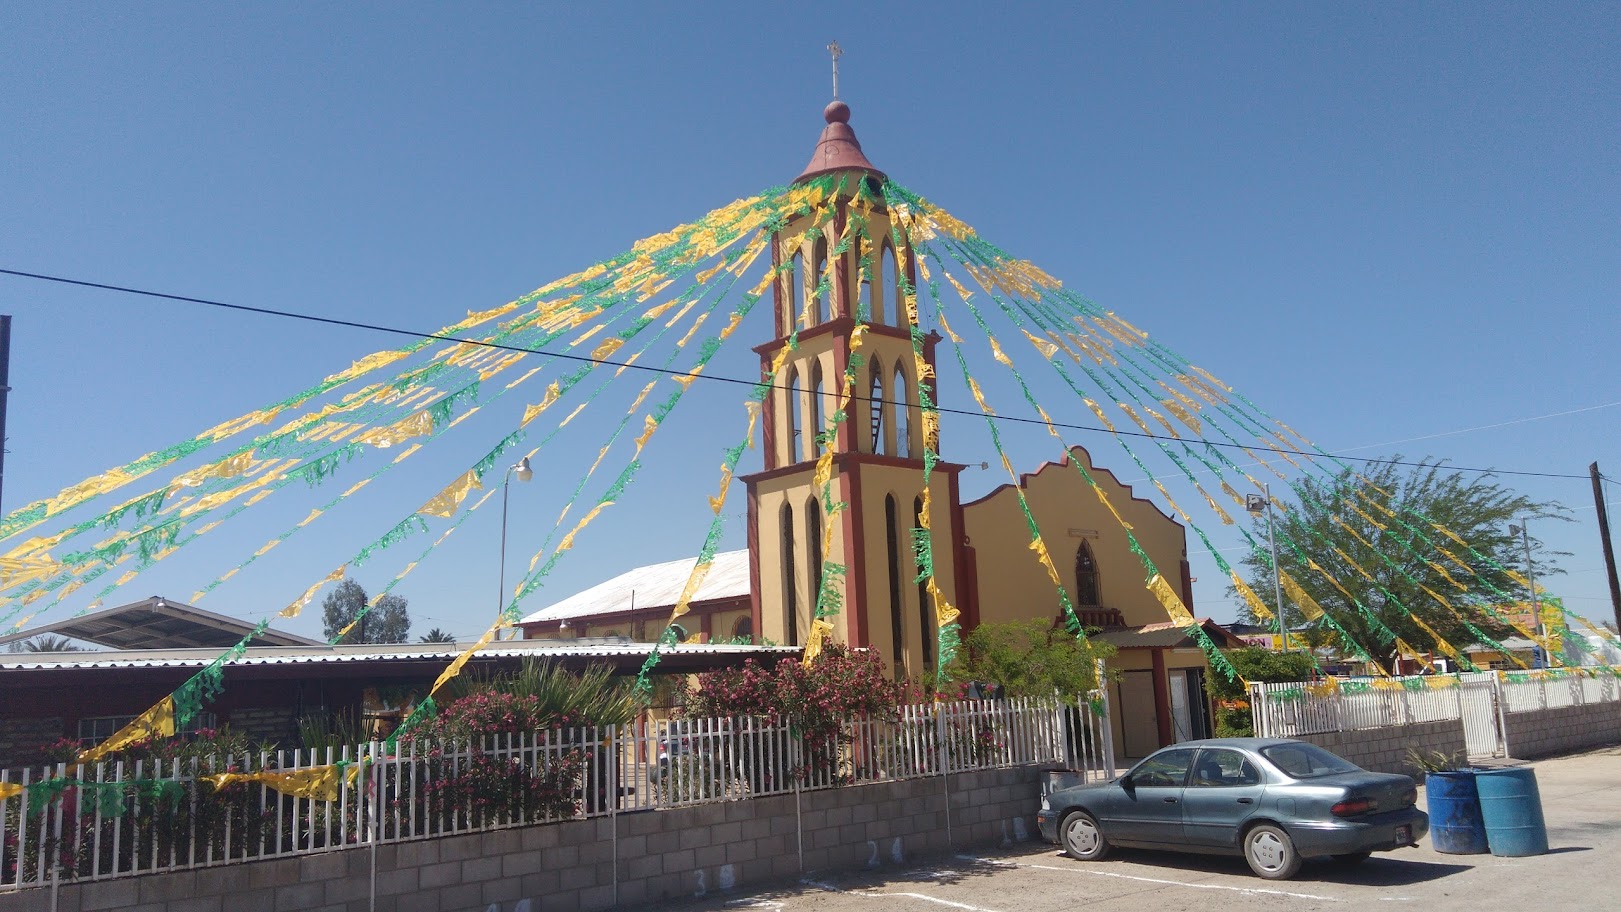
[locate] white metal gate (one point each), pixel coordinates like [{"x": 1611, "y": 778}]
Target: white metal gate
[{"x": 1480, "y": 703}]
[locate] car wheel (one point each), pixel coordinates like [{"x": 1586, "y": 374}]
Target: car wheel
[
  {"x": 1352, "y": 858},
  {"x": 1083, "y": 838},
  {"x": 1271, "y": 853}
]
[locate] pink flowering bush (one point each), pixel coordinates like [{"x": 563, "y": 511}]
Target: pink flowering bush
[{"x": 819, "y": 701}]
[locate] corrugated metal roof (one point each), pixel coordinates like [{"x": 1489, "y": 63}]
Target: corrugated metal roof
[
  {"x": 160, "y": 623},
  {"x": 653, "y": 586},
  {"x": 598, "y": 648}
]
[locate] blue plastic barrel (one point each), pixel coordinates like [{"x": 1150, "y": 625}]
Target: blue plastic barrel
[
  {"x": 1456, "y": 827},
  {"x": 1511, "y": 806}
]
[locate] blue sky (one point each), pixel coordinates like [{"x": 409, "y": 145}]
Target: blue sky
[{"x": 1387, "y": 224}]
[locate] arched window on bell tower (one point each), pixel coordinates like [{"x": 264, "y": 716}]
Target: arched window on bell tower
[
  {"x": 886, "y": 307},
  {"x": 925, "y": 611},
  {"x": 1086, "y": 576},
  {"x": 813, "y": 418},
  {"x": 818, "y": 269},
  {"x": 897, "y": 622},
  {"x": 796, "y": 291},
  {"x": 866, "y": 300},
  {"x": 796, "y": 417},
  {"x": 813, "y": 545},
  {"x": 901, "y": 396},
  {"x": 790, "y": 588},
  {"x": 875, "y": 406}
]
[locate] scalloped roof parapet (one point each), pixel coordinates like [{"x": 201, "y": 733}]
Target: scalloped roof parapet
[{"x": 1024, "y": 482}]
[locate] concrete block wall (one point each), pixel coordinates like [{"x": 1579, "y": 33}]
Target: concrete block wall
[
  {"x": 1384, "y": 750},
  {"x": 1545, "y": 732},
  {"x": 583, "y": 865}
]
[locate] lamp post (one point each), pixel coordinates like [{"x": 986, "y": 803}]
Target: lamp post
[
  {"x": 1256, "y": 504},
  {"x": 524, "y": 473},
  {"x": 1531, "y": 579}
]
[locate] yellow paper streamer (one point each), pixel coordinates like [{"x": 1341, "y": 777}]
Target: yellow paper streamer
[
  {"x": 320, "y": 783},
  {"x": 1171, "y": 601},
  {"x": 157, "y": 722},
  {"x": 1308, "y": 605},
  {"x": 292, "y": 610},
  {"x": 445, "y": 503},
  {"x": 1250, "y": 598}
]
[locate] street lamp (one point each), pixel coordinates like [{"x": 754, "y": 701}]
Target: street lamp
[
  {"x": 1257, "y": 504},
  {"x": 524, "y": 473},
  {"x": 1531, "y": 579}
]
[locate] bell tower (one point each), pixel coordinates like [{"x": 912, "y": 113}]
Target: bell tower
[{"x": 840, "y": 300}]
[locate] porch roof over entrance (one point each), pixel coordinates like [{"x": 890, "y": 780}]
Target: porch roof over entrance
[{"x": 1168, "y": 635}]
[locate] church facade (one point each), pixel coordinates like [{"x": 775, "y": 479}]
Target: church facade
[{"x": 982, "y": 561}]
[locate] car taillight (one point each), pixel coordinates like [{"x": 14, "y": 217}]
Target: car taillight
[
  {"x": 1410, "y": 797},
  {"x": 1352, "y": 807}
]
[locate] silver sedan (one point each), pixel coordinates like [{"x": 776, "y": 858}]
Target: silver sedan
[{"x": 1274, "y": 801}]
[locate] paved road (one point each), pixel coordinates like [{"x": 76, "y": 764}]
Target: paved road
[{"x": 1581, "y": 798}]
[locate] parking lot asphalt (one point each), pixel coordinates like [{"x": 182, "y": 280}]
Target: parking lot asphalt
[{"x": 1581, "y": 799}]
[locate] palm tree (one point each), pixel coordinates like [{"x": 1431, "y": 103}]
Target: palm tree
[
  {"x": 438, "y": 636},
  {"x": 45, "y": 642}
]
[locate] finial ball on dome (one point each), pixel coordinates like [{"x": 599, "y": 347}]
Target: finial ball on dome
[{"x": 837, "y": 112}]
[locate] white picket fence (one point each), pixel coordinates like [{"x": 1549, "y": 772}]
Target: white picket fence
[
  {"x": 114, "y": 820},
  {"x": 1478, "y": 699}
]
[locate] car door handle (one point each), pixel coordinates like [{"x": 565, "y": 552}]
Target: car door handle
[
  {"x": 1246, "y": 801},
  {"x": 1169, "y": 800}
]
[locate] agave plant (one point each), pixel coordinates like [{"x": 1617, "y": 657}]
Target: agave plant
[{"x": 592, "y": 697}]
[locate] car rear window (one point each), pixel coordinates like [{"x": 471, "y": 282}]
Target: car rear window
[{"x": 1305, "y": 761}]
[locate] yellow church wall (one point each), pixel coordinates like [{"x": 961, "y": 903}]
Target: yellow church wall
[
  {"x": 772, "y": 495},
  {"x": 1012, "y": 583},
  {"x": 879, "y": 482}
]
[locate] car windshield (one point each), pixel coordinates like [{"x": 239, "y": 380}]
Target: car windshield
[{"x": 1306, "y": 761}]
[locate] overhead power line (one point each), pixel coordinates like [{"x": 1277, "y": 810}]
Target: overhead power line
[{"x": 606, "y": 362}]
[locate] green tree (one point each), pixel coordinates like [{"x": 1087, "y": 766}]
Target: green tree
[
  {"x": 438, "y": 636},
  {"x": 1372, "y": 531},
  {"x": 45, "y": 642},
  {"x": 387, "y": 622},
  {"x": 1029, "y": 659}
]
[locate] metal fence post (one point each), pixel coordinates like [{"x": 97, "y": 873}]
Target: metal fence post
[
  {"x": 945, "y": 766},
  {"x": 613, "y": 801},
  {"x": 1498, "y": 713},
  {"x": 1260, "y": 720}
]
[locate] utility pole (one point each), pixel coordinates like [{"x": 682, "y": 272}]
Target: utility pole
[
  {"x": 1598, "y": 504},
  {"x": 1254, "y": 505},
  {"x": 1531, "y": 578},
  {"x": 5, "y": 390}
]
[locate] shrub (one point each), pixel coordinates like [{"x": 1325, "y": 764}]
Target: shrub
[
  {"x": 818, "y": 701},
  {"x": 1234, "y": 719}
]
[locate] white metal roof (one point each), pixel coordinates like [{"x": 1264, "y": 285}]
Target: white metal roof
[
  {"x": 653, "y": 586},
  {"x": 593, "y": 648},
  {"x": 159, "y": 623}
]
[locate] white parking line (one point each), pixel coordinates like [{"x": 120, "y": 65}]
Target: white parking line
[
  {"x": 867, "y": 894},
  {"x": 1153, "y": 880}
]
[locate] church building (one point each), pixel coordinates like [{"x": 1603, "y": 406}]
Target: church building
[{"x": 982, "y": 562}]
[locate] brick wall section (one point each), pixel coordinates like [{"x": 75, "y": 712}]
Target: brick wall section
[
  {"x": 572, "y": 866},
  {"x": 1384, "y": 750},
  {"x": 20, "y": 739},
  {"x": 1543, "y": 733}
]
